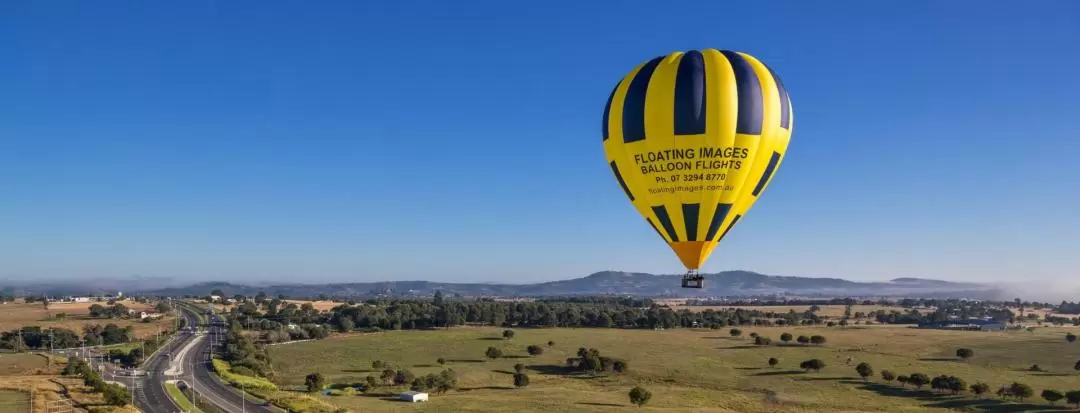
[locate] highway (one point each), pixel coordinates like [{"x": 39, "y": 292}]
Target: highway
[
  {"x": 207, "y": 385},
  {"x": 149, "y": 391}
]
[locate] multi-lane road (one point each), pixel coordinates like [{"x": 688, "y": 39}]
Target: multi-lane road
[
  {"x": 148, "y": 387},
  {"x": 208, "y": 385}
]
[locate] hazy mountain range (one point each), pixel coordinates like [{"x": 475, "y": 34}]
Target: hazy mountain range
[{"x": 728, "y": 283}]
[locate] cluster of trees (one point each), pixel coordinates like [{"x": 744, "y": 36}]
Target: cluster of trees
[
  {"x": 96, "y": 334},
  {"x": 815, "y": 339},
  {"x": 590, "y": 360},
  {"x": 439, "y": 312},
  {"x": 245, "y": 356},
  {"x": 956, "y": 385},
  {"x": 442, "y": 382},
  {"x": 113, "y": 311},
  {"x": 37, "y": 338},
  {"x": 114, "y": 394}
]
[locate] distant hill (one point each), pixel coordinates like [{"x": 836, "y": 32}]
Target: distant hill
[{"x": 728, "y": 283}]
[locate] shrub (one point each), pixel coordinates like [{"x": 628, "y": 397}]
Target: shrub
[
  {"x": 965, "y": 353},
  {"x": 887, "y": 375},
  {"x": 521, "y": 380},
  {"x": 640, "y": 396}
]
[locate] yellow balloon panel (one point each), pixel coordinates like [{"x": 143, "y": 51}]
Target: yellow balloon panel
[{"x": 694, "y": 139}]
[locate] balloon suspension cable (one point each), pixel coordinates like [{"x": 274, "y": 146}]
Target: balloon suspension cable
[{"x": 692, "y": 279}]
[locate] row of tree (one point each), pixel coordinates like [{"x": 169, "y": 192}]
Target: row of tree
[
  {"x": 113, "y": 394},
  {"x": 956, "y": 385},
  {"x": 36, "y": 338}
]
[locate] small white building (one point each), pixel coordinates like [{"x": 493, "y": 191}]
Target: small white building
[{"x": 413, "y": 396}]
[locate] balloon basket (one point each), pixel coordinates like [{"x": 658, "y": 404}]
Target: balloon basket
[{"x": 693, "y": 280}]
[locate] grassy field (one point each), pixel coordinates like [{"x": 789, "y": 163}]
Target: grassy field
[
  {"x": 14, "y": 401},
  {"x": 16, "y": 315},
  {"x": 181, "y": 399},
  {"x": 689, "y": 370},
  {"x": 319, "y": 305},
  {"x": 12, "y": 364}
]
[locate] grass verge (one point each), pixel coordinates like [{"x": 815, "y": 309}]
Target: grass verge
[{"x": 180, "y": 399}]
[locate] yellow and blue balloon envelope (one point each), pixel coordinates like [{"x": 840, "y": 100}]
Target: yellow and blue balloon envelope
[{"x": 694, "y": 139}]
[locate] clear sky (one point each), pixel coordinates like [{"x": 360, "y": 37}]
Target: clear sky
[{"x": 460, "y": 141}]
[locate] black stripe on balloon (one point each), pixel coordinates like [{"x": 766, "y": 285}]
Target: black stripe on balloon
[
  {"x": 653, "y": 225},
  {"x": 665, "y": 221},
  {"x": 751, "y": 105},
  {"x": 622, "y": 183},
  {"x": 690, "y": 95},
  {"x": 690, "y": 214},
  {"x": 769, "y": 169},
  {"x": 633, "y": 119},
  {"x": 718, "y": 217},
  {"x": 785, "y": 101},
  {"x": 607, "y": 110},
  {"x": 732, "y": 224}
]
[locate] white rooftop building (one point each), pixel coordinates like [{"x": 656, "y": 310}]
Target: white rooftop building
[{"x": 413, "y": 396}]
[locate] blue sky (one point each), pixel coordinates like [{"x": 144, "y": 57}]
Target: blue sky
[{"x": 454, "y": 141}]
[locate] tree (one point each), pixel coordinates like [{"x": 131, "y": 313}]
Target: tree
[
  {"x": 493, "y": 353},
  {"x": 753, "y": 335},
  {"x": 403, "y": 376},
  {"x": 1077, "y": 366},
  {"x": 620, "y": 366},
  {"x": 441, "y": 361},
  {"x": 378, "y": 364},
  {"x": 902, "y": 379},
  {"x": 965, "y": 353},
  {"x": 1073, "y": 397},
  {"x": 508, "y": 334},
  {"x": 812, "y": 364},
  {"x": 387, "y": 376},
  {"x": 734, "y": 333},
  {"x": 773, "y": 362},
  {"x": 314, "y": 382},
  {"x": 1052, "y": 396},
  {"x": 817, "y": 340},
  {"x": 864, "y": 370},
  {"x": 534, "y": 350},
  {"x": 519, "y": 367},
  {"x": 980, "y": 388},
  {"x": 887, "y": 375},
  {"x": 370, "y": 382},
  {"x": 639, "y": 396},
  {"x": 521, "y": 380},
  {"x": 955, "y": 384},
  {"x": 1020, "y": 391},
  {"x": 115, "y": 395},
  {"x": 762, "y": 341},
  {"x": 918, "y": 380},
  {"x": 803, "y": 340},
  {"x": 786, "y": 337},
  {"x": 551, "y": 344},
  {"x": 1070, "y": 337}
]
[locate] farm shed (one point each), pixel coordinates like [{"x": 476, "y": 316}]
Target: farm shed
[{"x": 413, "y": 396}]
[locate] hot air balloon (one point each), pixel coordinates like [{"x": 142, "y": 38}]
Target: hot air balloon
[{"x": 694, "y": 139}]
